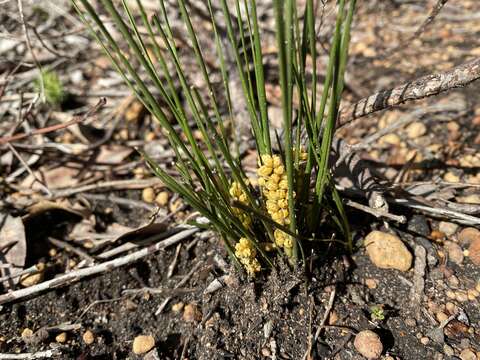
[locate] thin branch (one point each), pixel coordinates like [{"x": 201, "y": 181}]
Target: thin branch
[
  {"x": 378, "y": 213},
  {"x": 420, "y": 88},
  {"x": 31, "y": 356},
  {"x": 75, "y": 120},
  {"x": 77, "y": 275}
]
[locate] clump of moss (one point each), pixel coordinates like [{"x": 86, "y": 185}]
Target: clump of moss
[{"x": 52, "y": 87}]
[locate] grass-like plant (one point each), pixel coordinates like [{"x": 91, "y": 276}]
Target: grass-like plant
[{"x": 292, "y": 204}]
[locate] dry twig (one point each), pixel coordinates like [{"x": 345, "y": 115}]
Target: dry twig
[
  {"x": 420, "y": 88},
  {"x": 30, "y": 356},
  {"x": 77, "y": 275}
]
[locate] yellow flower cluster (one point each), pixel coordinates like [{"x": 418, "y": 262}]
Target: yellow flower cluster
[
  {"x": 237, "y": 193},
  {"x": 274, "y": 184},
  {"x": 246, "y": 254}
]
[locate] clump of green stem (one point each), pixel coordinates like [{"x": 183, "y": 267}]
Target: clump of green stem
[{"x": 294, "y": 184}]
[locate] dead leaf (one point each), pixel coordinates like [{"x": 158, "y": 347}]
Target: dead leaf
[
  {"x": 56, "y": 178},
  {"x": 13, "y": 246},
  {"x": 113, "y": 154}
]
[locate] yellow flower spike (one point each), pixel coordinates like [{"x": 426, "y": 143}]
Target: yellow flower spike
[
  {"x": 237, "y": 193},
  {"x": 246, "y": 253},
  {"x": 274, "y": 184}
]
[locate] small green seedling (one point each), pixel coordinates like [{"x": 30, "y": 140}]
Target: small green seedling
[
  {"x": 52, "y": 87},
  {"x": 377, "y": 313}
]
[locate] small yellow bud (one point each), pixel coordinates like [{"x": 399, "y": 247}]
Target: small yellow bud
[
  {"x": 271, "y": 185},
  {"x": 288, "y": 242},
  {"x": 264, "y": 171},
  {"x": 278, "y": 217},
  {"x": 267, "y": 160},
  {"x": 276, "y": 161},
  {"x": 283, "y": 185},
  {"x": 275, "y": 178},
  {"x": 279, "y": 170}
]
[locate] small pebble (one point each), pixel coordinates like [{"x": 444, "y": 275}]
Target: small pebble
[
  {"x": 148, "y": 195},
  {"x": 451, "y": 177},
  {"x": 162, "y": 198},
  {"x": 191, "y": 313},
  {"x": 448, "y": 350},
  {"x": 472, "y": 294},
  {"x": 122, "y": 134},
  {"x": 415, "y": 130},
  {"x": 411, "y": 322},
  {"x": 371, "y": 283},
  {"x": 150, "y": 136},
  {"x": 390, "y": 139},
  {"x": 134, "y": 111},
  {"x": 387, "y": 251},
  {"x": 469, "y": 199},
  {"x": 441, "y": 316},
  {"x": 26, "y": 333},
  {"x": 453, "y": 281},
  {"x": 434, "y": 307},
  {"x": 455, "y": 252},
  {"x": 61, "y": 338},
  {"x": 450, "y": 294},
  {"x": 368, "y": 344},
  {"x": 266, "y": 352},
  {"x": 88, "y": 337},
  {"x": 461, "y": 296},
  {"x": 453, "y": 126},
  {"x": 474, "y": 252},
  {"x": 468, "y": 235},
  {"x": 424, "y": 340},
  {"x": 35, "y": 278},
  {"x": 176, "y": 205},
  {"x": 143, "y": 344},
  {"x": 450, "y": 307},
  {"x": 447, "y": 228},
  {"x": 176, "y": 308},
  {"x": 477, "y": 287},
  {"x": 468, "y": 354}
]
